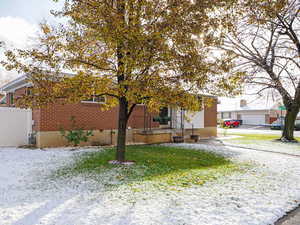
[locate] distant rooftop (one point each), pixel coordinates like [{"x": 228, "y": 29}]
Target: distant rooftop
[{"x": 247, "y": 104}]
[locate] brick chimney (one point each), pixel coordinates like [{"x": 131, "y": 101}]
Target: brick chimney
[{"x": 243, "y": 103}]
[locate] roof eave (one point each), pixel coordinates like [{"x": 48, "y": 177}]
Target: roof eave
[{"x": 15, "y": 84}]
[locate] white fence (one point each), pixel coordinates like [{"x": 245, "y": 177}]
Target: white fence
[{"x": 15, "y": 126}]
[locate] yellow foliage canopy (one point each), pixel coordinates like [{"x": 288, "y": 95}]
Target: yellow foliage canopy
[{"x": 154, "y": 52}]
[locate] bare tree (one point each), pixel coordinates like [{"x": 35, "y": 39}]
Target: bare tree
[{"x": 266, "y": 48}]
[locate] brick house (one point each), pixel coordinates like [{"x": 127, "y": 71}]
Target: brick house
[{"x": 142, "y": 128}]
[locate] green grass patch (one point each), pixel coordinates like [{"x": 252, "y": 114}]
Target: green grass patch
[
  {"x": 258, "y": 137},
  {"x": 164, "y": 166}
]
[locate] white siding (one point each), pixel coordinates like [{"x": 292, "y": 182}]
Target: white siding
[{"x": 252, "y": 119}]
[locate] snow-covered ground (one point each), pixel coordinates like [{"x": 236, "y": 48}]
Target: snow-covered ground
[
  {"x": 259, "y": 195},
  {"x": 272, "y": 145},
  {"x": 253, "y": 130}
]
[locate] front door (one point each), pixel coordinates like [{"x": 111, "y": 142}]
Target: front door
[{"x": 164, "y": 116}]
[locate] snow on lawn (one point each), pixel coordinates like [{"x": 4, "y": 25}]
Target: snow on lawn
[
  {"x": 259, "y": 195},
  {"x": 275, "y": 146}
]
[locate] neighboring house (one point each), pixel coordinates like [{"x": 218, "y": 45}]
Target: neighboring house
[
  {"x": 142, "y": 128},
  {"x": 259, "y": 112},
  {"x": 2, "y": 100}
]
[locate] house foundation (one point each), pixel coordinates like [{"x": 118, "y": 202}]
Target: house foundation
[{"x": 47, "y": 139}]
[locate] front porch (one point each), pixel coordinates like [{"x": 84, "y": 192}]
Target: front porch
[{"x": 165, "y": 135}]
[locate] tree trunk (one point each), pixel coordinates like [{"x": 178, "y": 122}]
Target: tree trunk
[
  {"x": 289, "y": 125},
  {"x": 123, "y": 103},
  {"x": 122, "y": 128}
]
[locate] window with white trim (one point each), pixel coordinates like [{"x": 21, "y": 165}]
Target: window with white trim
[
  {"x": 226, "y": 115},
  {"x": 29, "y": 91},
  {"x": 96, "y": 99}
]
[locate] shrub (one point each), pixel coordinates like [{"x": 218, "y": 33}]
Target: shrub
[{"x": 77, "y": 134}]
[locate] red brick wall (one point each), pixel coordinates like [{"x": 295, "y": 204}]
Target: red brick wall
[
  {"x": 136, "y": 119},
  {"x": 90, "y": 116},
  {"x": 87, "y": 116},
  {"x": 210, "y": 115},
  {"x": 19, "y": 93}
]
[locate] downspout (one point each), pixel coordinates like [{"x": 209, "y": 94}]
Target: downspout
[
  {"x": 171, "y": 117},
  {"x": 144, "y": 118},
  {"x": 182, "y": 123}
]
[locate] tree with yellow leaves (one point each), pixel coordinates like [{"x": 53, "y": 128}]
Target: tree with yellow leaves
[{"x": 151, "y": 52}]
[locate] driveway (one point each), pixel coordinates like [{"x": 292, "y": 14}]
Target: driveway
[
  {"x": 262, "y": 191},
  {"x": 293, "y": 218}
]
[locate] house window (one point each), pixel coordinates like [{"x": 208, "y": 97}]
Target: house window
[
  {"x": 28, "y": 91},
  {"x": 164, "y": 112},
  {"x": 11, "y": 98},
  {"x": 96, "y": 99},
  {"x": 226, "y": 115},
  {"x": 163, "y": 117}
]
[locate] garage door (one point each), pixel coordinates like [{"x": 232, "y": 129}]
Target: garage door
[
  {"x": 15, "y": 126},
  {"x": 253, "y": 119}
]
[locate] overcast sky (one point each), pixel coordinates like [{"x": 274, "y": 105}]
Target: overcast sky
[
  {"x": 32, "y": 11},
  {"x": 19, "y": 21}
]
